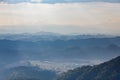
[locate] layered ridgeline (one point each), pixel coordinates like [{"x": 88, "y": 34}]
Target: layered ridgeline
[
  {"x": 106, "y": 71},
  {"x": 52, "y": 50},
  {"x": 52, "y": 53},
  {"x": 84, "y": 49}
]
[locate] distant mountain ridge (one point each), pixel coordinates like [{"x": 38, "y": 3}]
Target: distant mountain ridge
[
  {"x": 106, "y": 71},
  {"x": 48, "y": 36}
]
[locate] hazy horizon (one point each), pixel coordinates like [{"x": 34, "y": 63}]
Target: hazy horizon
[{"x": 64, "y": 16}]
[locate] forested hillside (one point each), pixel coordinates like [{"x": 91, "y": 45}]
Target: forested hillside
[{"x": 106, "y": 71}]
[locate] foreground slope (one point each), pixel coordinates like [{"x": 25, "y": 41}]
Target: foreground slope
[{"x": 106, "y": 71}]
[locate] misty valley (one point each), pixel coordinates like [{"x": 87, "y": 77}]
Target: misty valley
[
  {"x": 52, "y": 56},
  {"x": 59, "y": 39}
]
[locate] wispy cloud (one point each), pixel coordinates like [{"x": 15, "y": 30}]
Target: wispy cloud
[{"x": 37, "y": 1}]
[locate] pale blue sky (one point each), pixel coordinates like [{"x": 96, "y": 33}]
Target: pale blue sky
[{"x": 58, "y": 1}]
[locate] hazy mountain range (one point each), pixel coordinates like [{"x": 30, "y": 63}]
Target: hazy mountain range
[
  {"x": 53, "y": 47},
  {"x": 35, "y": 56}
]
